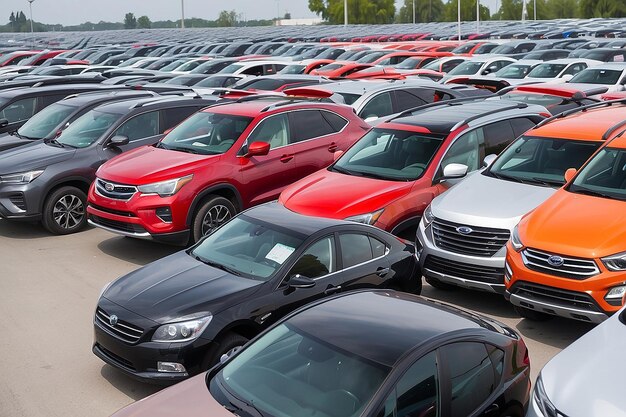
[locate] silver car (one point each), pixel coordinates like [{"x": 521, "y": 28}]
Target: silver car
[
  {"x": 586, "y": 378},
  {"x": 461, "y": 237}
]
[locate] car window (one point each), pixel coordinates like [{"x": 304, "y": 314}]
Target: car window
[
  {"x": 336, "y": 121},
  {"x": 465, "y": 150},
  {"x": 45, "y": 101},
  {"x": 273, "y": 130},
  {"x": 377, "y": 107},
  {"x": 575, "y": 69},
  {"x": 318, "y": 260},
  {"x": 408, "y": 99},
  {"x": 309, "y": 124},
  {"x": 497, "y": 136},
  {"x": 175, "y": 115},
  {"x": 256, "y": 70},
  {"x": 472, "y": 378},
  {"x": 139, "y": 127},
  {"x": 19, "y": 110},
  {"x": 449, "y": 65},
  {"x": 378, "y": 248},
  {"x": 355, "y": 249},
  {"x": 520, "y": 126}
]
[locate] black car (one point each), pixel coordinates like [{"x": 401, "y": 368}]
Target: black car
[
  {"x": 177, "y": 316},
  {"x": 48, "y": 180},
  {"x": 369, "y": 353}
]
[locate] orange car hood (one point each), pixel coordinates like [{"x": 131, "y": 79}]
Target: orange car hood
[{"x": 577, "y": 225}]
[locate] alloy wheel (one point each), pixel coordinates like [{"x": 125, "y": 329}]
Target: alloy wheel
[
  {"x": 214, "y": 218},
  {"x": 68, "y": 211}
]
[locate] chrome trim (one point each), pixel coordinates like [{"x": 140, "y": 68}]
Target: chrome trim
[
  {"x": 102, "y": 318},
  {"x": 558, "y": 310},
  {"x": 583, "y": 271},
  {"x": 467, "y": 283},
  {"x": 100, "y": 180},
  {"x": 120, "y": 232}
]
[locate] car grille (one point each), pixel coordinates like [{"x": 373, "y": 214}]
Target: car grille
[
  {"x": 18, "y": 201},
  {"x": 122, "y": 329},
  {"x": 480, "y": 241},
  {"x": 536, "y": 292},
  {"x": 471, "y": 272},
  {"x": 575, "y": 268},
  {"x": 115, "y": 225},
  {"x": 116, "y": 191},
  {"x": 116, "y": 212}
]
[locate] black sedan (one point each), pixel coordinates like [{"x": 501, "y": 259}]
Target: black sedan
[
  {"x": 368, "y": 353},
  {"x": 177, "y": 316}
]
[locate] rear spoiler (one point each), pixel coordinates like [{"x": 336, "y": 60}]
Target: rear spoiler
[{"x": 308, "y": 92}]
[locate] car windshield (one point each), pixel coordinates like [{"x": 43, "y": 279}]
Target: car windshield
[
  {"x": 503, "y": 49},
  {"x": 330, "y": 67},
  {"x": 392, "y": 155},
  {"x": 293, "y": 69},
  {"x": 597, "y": 76},
  {"x": 46, "y": 121},
  {"x": 546, "y": 70},
  {"x": 214, "y": 82},
  {"x": 206, "y": 133},
  {"x": 289, "y": 372},
  {"x": 230, "y": 69},
  {"x": 248, "y": 247},
  {"x": 463, "y": 49},
  {"x": 172, "y": 66},
  {"x": 369, "y": 58},
  {"x": 188, "y": 66},
  {"x": 466, "y": 68},
  {"x": 514, "y": 71},
  {"x": 409, "y": 63},
  {"x": 604, "y": 176},
  {"x": 541, "y": 161},
  {"x": 435, "y": 65},
  {"x": 88, "y": 128}
]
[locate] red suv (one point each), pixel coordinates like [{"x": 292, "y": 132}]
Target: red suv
[{"x": 219, "y": 161}]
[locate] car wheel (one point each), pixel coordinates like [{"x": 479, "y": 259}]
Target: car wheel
[
  {"x": 225, "y": 345},
  {"x": 440, "y": 285},
  {"x": 532, "y": 314},
  {"x": 212, "y": 214},
  {"x": 64, "y": 211}
]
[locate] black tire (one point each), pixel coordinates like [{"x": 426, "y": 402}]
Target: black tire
[
  {"x": 440, "y": 285},
  {"x": 532, "y": 314},
  {"x": 214, "y": 212},
  {"x": 224, "y": 345},
  {"x": 65, "y": 211}
]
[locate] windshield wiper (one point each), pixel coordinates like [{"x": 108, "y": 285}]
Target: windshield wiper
[
  {"x": 161, "y": 145},
  {"x": 376, "y": 176},
  {"x": 587, "y": 191},
  {"x": 54, "y": 142},
  {"x": 217, "y": 265},
  {"x": 187, "y": 150},
  {"x": 548, "y": 182},
  {"x": 506, "y": 177},
  {"x": 344, "y": 171},
  {"x": 242, "y": 403}
]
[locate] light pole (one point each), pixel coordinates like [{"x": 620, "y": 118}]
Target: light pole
[
  {"x": 182, "y": 13},
  {"x": 345, "y": 12},
  {"x": 30, "y": 5},
  {"x": 535, "y": 9},
  {"x": 413, "y": 11},
  {"x": 477, "y": 16}
]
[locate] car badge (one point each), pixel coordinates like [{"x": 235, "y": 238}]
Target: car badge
[
  {"x": 555, "y": 261},
  {"x": 464, "y": 230},
  {"x": 113, "y": 320},
  {"x": 109, "y": 187}
]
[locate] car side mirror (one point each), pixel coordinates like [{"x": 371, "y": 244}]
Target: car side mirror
[
  {"x": 300, "y": 281},
  {"x": 119, "y": 140},
  {"x": 569, "y": 174},
  {"x": 258, "y": 149},
  {"x": 489, "y": 159},
  {"x": 370, "y": 119},
  {"x": 337, "y": 155},
  {"x": 4, "y": 122},
  {"x": 567, "y": 77},
  {"x": 452, "y": 171}
]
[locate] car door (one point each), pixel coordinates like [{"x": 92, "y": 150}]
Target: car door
[
  {"x": 363, "y": 261},
  {"x": 17, "y": 112}
]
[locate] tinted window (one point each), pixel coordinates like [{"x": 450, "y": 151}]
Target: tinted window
[
  {"x": 337, "y": 122},
  {"x": 465, "y": 150},
  {"x": 309, "y": 124},
  {"x": 273, "y": 130},
  {"x": 175, "y": 115},
  {"x": 139, "y": 127},
  {"x": 406, "y": 100},
  {"x": 377, "y": 107},
  {"x": 378, "y": 247},
  {"x": 520, "y": 125},
  {"x": 355, "y": 249},
  {"x": 45, "y": 101},
  {"x": 19, "y": 110},
  {"x": 575, "y": 69},
  {"x": 471, "y": 376},
  {"x": 318, "y": 260},
  {"x": 449, "y": 65},
  {"x": 497, "y": 136},
  {"x": 417, "y": 392}
]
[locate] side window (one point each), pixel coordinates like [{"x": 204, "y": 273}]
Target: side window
[
  {"x": 337, "y": 122},
  {"x": 355, "y": 249},
  {"x": 379, "y": 106},
  {"x": 407, "y": 100},
  {"x": 230, "y": 81},
  {"x": 574, "y": 69},
  {"x": 318, "y": 260},
  {"x": 378, "y": 248},
  {"x": 309, "y": 124},
  {"x": 256, "y": 70},
  {"x": 19, "y": 110},
  {"x": 465, "y": 150},
  {"x": 140, "y": 127},
  {"x": 472, "y": 376},
  {"x": 45, "y": 101},
  {"x": 273, "y": 130},
  {"x": 501, "y": 64},
  {"x": 497, "y": 136},
  {"x": 175, "y": 115},
  {"x": 449, "y": 65},
  {"x": 521, "y": 125},
  {"x": 268, "y": 69}
]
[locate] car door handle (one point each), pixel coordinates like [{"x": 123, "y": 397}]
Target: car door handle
[
  {"x": 381, "y": 272},
  {"x": 332, "y": 147},
  {"x": 332, "y": 290},
  {"x": 286, "y": 158}
]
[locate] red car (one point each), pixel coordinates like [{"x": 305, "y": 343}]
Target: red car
[{"x": 218, "y": 162}]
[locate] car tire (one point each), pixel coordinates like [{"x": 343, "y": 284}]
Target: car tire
[
  {"x": 65, "y": 211},
  {"x": 225, "y": 345},
  {"x": 532, "y": 314},
  {"x": 214, "y": 212},
  {"x": 440, "y": 285}
]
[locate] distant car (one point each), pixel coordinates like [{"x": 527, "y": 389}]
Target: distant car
[
  {"x": 366, "y": 353},
  {"x": 611, "y": 75},
  {"x": 255, "y": 67},
  {"x": 606, "y": 55},
  {"x": 479, "y": 65},
  {"x": 248, "y": 274},
  {"x": 559, "y": 70}
]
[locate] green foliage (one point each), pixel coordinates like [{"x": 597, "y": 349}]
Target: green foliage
[
  {"x": 425, "y": 11},
  {"x": 130, "y": 22},
  {"x": 468, "y": 11},
  {"x": 227, "y": 19},
  {"x": 359, "y": 11},
  {"x": 144, "y": 22}
]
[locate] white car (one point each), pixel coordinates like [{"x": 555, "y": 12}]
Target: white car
[
  {"x": 559, "y": 70},
  {"x": 611, "y": 75},
  {"x": 480, "y": 65}
]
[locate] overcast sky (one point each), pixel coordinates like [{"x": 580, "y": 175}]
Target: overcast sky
[{"x": 66, "y": 12}]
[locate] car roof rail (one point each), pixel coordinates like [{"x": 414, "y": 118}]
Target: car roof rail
[
  {"x": 453, "y": 102},
  {"x": 613, "y": 129},
  {"x": 112, "y": 92},
  {"x": 581, "y": 108},
  {"x": 470, "y": 119},
  {"x": 158, "y": 99}
]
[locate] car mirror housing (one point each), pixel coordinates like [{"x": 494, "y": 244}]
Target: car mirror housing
[
  {"x": 569, "y": 174},
  {"x": 489, "y": 159},
  {"x": 452, "y": 171},
  {"x": 337, "y": 155},
  {"x": 4, "y": 122},
  {"x": 119, "y": 140},
  {"x": 300, "y": 281},
  {"x": 258, "y": 149}
]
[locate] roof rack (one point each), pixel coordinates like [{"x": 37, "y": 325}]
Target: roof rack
[
  {"x": 498, "y": 110},
  {"x": 112, "y": 92},
  {"x": 613, "y": 128},
  {"x": 582, "y": 108},
  {"x": 157, "y": 99},
  {"x": 453, "y": 102}
]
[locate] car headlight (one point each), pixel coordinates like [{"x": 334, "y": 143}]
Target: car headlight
[
  {"x": 20, "y": 178},
  {"x": 615, "y": 262},
  {"x": 516, "y": 242},
  {"x": 428, "y": 217},
  {"x": 165, "y": 188},
  {"x": 182, "y": 331},
  {"x": 543, "y": 402},
  {"x": 368, "y": 218}
]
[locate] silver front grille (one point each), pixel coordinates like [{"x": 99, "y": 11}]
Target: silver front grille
[
  {"x": 123, "y": 330},
  {"x": 115, "y": 191},
  {"x": 479, "y": 241},
  {"x": 575, "y": 268}
]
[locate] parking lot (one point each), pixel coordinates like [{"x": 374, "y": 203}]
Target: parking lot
[{"x": 48, "y": 291}]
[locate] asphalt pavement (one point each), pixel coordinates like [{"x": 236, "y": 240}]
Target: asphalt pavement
[{"x": 48, "y": 291}]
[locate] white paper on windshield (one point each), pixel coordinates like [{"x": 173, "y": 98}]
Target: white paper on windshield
[{"x": 279, "y": 253}]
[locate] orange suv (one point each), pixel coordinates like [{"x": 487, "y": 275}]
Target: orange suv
[{"x": 568, "y": 257}]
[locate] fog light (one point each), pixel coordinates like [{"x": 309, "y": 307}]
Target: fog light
[
  {"x": 615, "y": 295},
  {"x": 508, "y": 272},
  {"x": 165, "y": 214},
  {"x": 170, "y": 367}
]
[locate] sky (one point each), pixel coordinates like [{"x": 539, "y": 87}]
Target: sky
[{"x": 66, "y": 12}]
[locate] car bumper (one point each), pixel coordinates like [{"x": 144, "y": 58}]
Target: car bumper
[
  {"x": 473, "y": 272},
  {"x": 19, "y": 202}
]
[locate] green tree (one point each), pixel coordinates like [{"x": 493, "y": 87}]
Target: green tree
[
  {"x": 359, "y": 11},
  {"x": 227, "y": 19},
  {"x": 510, "y": 10},
  {"x": 425, "y": 11},
  {"x": 543, "y": 11},
  {"x": 130, "y": 22},
  {"x": 144, "y": 22},
  {"x": 468, "y": 11},
  {"x": 602, "y": 8}
]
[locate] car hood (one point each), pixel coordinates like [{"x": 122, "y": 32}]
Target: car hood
[
  {"x": 592, "y": 390},
  {"x": 32, "y": 156},
  {"x": 176, "y": 286},
  {"x": 489, "y": 202},
  {"x": 149, "y": 164},
  {"x": 189, "y": 398},
  {"x": 577, "y": 225},
  {"x": 331, "y": 194},
  {"x": 8, "y": 141}
]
